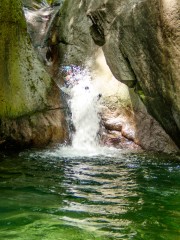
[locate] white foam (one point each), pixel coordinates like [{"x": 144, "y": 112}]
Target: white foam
[{"x": 84, "y": 107}]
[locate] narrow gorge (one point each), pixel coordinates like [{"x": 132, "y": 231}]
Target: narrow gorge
[
  {"x": 131, "y": 49},
  {"x": 89, "y": 119}
]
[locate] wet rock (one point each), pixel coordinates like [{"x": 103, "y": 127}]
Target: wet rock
[
  {"x": 136, "y": 128},
  {"x": 116, "y": 139},
  {"x": 27, "y": 93},
  {"x": 142, "y": 45},
  {"x": 114, "y": 124},
  {"x": 37, "y": 130},
  {"x": 139, "y": 42}
]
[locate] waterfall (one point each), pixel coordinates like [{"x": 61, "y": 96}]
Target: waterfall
[
  {"x": 84, "y": 106},
  {"x": 84, "y": 109}
]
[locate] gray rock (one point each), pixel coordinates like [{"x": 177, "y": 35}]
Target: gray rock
[
  {"x": 30, "y": 104},
  {"x": 144, "y": 39},
  {"x": 140, "y": 43}
]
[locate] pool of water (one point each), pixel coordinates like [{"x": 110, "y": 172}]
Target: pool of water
[{"x": 48, "y": 196}]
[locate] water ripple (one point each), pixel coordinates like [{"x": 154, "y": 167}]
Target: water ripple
[{"x": 128, "y": 197}]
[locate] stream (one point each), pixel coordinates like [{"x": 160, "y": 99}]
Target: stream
[{"x": 114, "y": 195}]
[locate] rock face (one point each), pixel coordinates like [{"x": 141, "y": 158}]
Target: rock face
[
  {"x": 141, "y": 44},
  {"x": 41, "y": 25},
  {"x": 139, "y": 40},
  {"x": 135, "y": 127},
  {"x": 30, "y": 110}
]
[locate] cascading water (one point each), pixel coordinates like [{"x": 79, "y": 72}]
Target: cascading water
[
  {"x": 84, "y": 106},
  {"x": 84, "y": 109}
]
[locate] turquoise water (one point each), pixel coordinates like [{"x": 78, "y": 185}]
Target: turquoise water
[{"x": 51, "y": 197}]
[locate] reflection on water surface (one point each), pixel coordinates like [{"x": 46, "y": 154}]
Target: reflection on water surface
[{"x": 127, "y": 196}]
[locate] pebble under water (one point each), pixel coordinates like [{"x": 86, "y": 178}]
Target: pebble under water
[{"x": 54, "y": 197}]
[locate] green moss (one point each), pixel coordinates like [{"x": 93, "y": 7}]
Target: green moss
[
  {"x": 11, "y": 12},
  {"x": 24, "y": 84},
  {"x": 63, "y": 10}
]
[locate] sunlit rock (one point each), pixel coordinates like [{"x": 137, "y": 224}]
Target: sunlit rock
[{"x": 141, "y": 47}]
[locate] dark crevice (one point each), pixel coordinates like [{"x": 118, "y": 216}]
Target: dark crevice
[
  {"x": 131, "y": 83},
  {"x": 97, "y": 30},
  {"x": 64, "y": 42}
]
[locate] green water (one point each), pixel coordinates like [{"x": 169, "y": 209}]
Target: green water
[{"x": 51, "y": 197}]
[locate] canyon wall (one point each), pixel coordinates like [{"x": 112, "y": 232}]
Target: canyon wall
[
  {"x": 144, "y": 36},
  {"x": 140, "y": 42},
  {"x": 31, "y": 113},
  {"x": 131, "y": 48}
]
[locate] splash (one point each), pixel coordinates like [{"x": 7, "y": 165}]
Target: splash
[{"x": 84, "y": 107}]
